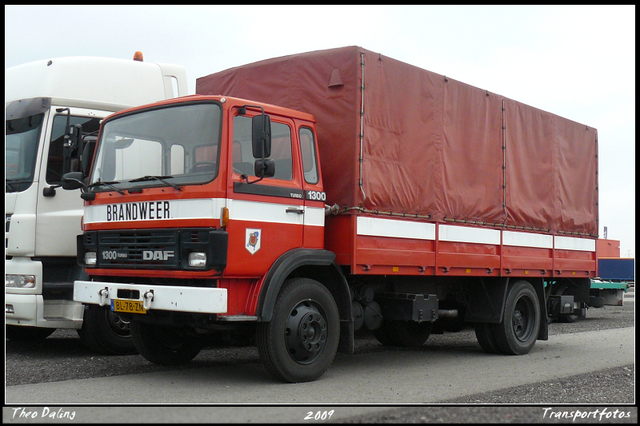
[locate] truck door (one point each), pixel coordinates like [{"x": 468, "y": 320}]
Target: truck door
[
  {"x": 266, "y": 217},
  {"x": 58, "y": 211},
  {"x": 315, "y": 197}
]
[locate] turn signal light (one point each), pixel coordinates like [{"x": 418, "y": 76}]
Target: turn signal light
[{"x": 224, "y": 218}]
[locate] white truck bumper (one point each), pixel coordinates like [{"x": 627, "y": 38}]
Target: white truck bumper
[
  {"x": 32, "y": 310},
  {"x": 26, "y": 306},
  {"x": 160, "y": 297}
]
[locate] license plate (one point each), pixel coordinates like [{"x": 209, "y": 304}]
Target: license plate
[{"x": 130, "y": 306}]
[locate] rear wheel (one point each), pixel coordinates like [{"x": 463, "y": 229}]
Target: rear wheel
[
  {"x": 165, "y": 345},
  {"x": 413, "y": 334},
  {"x": 403, "y": 333},
  {"x": 486, "y": 337},
  {"x": 518, "y": 331},
  {"x": 106, "y": 332},
  {"x": 301, "y": 340},
  {"x": 385, "y": 334}
]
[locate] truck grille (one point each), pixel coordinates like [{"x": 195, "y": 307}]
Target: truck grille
[{"x": 156, "y": 249}]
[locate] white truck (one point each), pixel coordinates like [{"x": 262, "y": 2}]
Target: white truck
[{"x": 52, "y": 108}]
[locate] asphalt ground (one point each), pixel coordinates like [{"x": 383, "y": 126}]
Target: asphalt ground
[
  {"x": 62, "y": 357},
  {"x": 607, "y": 396}
]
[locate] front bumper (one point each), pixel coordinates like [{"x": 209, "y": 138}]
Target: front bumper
[
  {"x": 160, "y": 297},
  {"x": 32, "y": 310}
]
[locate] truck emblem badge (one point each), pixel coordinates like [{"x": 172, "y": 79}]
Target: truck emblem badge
[
  {"x": 252, "y": 240},
  {"x": 157, "y": 255}
]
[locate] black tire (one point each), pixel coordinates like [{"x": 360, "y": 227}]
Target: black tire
[
  {"x": 518, "y": 331},
  {"x": 105, "y": 332},
  {"x": 26, "y": 334},
  {"x": 486, "y": 337},
  {"x": 454, "y": 325},
  {"x": 165, "y": 345},
  {"x": 385, "y": 334},
  {"x": 301, "y": 340},
  {"x": 413, "y": 334},
  {"x": 403, "y": 333},
  {"x": 596, "y": 301}
]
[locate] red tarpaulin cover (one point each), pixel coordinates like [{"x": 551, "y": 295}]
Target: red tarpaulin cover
[{"x": 432, "y": 145}]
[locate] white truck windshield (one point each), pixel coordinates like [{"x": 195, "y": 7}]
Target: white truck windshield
[{"x": 22, "y": 139}]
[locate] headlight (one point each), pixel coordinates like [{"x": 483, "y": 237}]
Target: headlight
[
  {"x": 90, "y": 258},
  {"x": 197, "y": 260},
  {"x": 20, "y": 281}
]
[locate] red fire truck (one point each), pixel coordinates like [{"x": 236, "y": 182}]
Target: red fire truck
[{"x": 305, "y": 197}]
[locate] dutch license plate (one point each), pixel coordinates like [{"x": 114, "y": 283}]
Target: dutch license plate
[{"x": 130, "y": 306}]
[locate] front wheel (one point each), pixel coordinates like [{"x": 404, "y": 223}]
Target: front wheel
[
  {"x": 518, "y": 331},
  {"x": 165, "y": 345},
  {"x": 301, "y": 340},
  {"x": 106, "y": 332}
]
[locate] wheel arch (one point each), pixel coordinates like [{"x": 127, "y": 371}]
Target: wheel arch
[{"x": 318, "y": 265}]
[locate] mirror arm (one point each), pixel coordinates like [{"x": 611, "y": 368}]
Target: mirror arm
[{"x": 246, "y": 178}]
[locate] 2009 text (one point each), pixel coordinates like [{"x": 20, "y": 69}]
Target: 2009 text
[{"x": 319, "y": 415}]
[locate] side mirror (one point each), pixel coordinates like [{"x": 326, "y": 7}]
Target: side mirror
[
  {"x": 264, "y": 168},
  {"x": 261, "y": 136},
  {"x": 73, "y": 180}
]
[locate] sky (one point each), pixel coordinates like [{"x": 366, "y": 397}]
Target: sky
[{"x": 574, "y": 61}]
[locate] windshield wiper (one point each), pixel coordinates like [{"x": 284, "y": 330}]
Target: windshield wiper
[
  {"x": 109, "y": 184},
  {"x": 158, "y": 178}
]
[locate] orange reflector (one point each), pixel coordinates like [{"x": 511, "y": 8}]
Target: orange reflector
[
  {"x": 138, "y": 56},
  {"x": 224, "y": 220}
]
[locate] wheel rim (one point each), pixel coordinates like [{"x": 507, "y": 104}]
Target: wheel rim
[
  {"x": 117, "y": 324},
  {"x": 306, "y": 332},
  {"x": 523, "y": 319}
]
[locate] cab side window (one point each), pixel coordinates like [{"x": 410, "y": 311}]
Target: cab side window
[
  {"x": 308, "y": 150},
  {"x": 242, "y": 156},
  {"x": 55, "y": 160}
]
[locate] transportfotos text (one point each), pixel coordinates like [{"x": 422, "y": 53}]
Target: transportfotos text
[{"x": 597, "y": 414}]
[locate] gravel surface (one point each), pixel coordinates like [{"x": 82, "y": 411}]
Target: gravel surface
[{"x": 610, "y": 386}]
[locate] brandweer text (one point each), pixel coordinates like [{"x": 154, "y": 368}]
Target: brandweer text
[{"x": 147, "y": 210}]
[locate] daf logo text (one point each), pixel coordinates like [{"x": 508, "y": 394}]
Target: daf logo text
[{"x": 163, "y": 255}]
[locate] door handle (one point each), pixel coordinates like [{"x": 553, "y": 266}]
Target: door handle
[{"x": 295, "y": 210}]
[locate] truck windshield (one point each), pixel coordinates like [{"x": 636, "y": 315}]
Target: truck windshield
[
  {"x": 22, "y": 136},
  {"x": 170, "y": 146}
]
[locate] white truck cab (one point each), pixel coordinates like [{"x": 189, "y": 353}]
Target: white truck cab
[{"x": 44, "y": 100}]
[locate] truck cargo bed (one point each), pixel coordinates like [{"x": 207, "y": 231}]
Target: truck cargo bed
[{"x": 432, "y": 174}]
